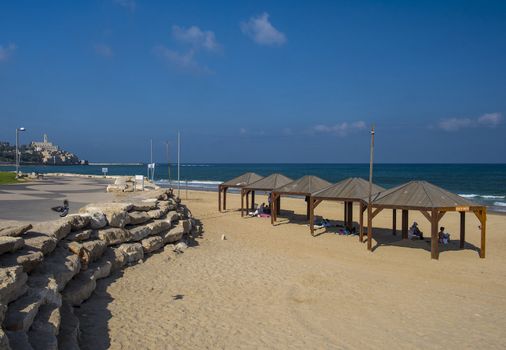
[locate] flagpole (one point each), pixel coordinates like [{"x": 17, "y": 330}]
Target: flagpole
[
  {"x": 178, "y": 164},
  {"x": 369, "y": 208}
]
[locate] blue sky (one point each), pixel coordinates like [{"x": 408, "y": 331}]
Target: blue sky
[{"x": 257, "y": 81}]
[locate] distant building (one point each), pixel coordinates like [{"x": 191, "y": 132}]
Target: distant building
[{"x": 44, "y": 146}]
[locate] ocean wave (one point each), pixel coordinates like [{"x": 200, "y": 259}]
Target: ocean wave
[
  {"x": 500, "y": 204},
  {"x": 483, "y": 196},
  {"x": 195, "y": 182}
]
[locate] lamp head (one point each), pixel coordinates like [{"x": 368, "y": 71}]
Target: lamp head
[{"x": 21, "y": 129}]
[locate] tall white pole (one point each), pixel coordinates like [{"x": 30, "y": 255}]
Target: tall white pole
[
  {"x": 17, "y": 153},
  {"x": 178, "y": 164},
  {"x": 369, "y": 204},
  {"x": 151, "y": 162}
]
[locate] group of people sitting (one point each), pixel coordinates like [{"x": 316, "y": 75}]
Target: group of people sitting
[
  {"x": 415, "y": 233},
  {"x": 261, "y": 211}
]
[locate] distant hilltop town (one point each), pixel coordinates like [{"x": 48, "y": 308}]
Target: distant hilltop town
[{"x": 39, "y": 152}]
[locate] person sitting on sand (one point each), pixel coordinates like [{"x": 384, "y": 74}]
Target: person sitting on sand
[
  {"x": 414, "y": 232},
  {"x": 444, "y": 237},
  {"x": 260, "y": 210}
]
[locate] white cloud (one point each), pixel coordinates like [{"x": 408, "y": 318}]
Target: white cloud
[
  {"x": 103, "y": 50},
  {"x": 196, "y": 37},
  {"x": 341, "y": 129},
  {"x": 454, "y": 124},
  {"x": 490, "y": 119},
  {"x": 6, "y": 52},
  {"x": 128, "y": 4},
  {"x": 243, "y": 131},
  {"x": 262, "y": 31},
  {"x": 184, "y": 61},
  {"x": 197, "y": 40}
]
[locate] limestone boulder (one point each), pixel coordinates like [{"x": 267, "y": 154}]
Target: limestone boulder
[
  {"x": 116, "y": 257},
  {"x": 10, "y": 244},
  {"x": 69, "y": 329},
  {"x": 3, "y": 310},
  {"x": 79, "y": 288},
  {"x": 101, "y": 269},
  {"x": 12, "y": 283},
  {"x": 97, "y": 219},
  {"x": 27, "y": 258},
  {"x": 133, "y": 252},
  {"x": 114, "y": 235},
  {"x": 13, "y": 228},
  {"x": 95, "y": 248},
  {"x": 115, "y": 213},
  {"x": 45, "y": 327},
  {"x": 173, "y": 216},
  {"x": 138, "y": 217},
  {"x": 152, "y": 244},
  {"x": 21, "y": 312},
  {"x": 40, "y": 242},
  {"x": 187, "y": 226},
  {"x": 78, "y": 222},
  {"x": 172, "y": 235},
  {"x": 156, "y": 213},
  {"x": 139, "y": 232},
  {"x": 57, "y": 228},
  {"x": 18, "y": 341},
  {"x": 158, "y": 226},
  {"x": 62, "y": 265},
  {"x": 4, "y": 341},
  {"x": 144, "y": 205},
  {"x": 80, "y": 235}
]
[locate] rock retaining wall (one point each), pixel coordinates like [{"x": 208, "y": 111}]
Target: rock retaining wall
[{"x": 49, "y": 268}]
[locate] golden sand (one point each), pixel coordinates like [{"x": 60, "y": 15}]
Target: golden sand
[{"x": 276, "y": 287}]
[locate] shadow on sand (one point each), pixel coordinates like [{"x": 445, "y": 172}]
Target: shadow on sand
[{"x": 94, "y": 314}]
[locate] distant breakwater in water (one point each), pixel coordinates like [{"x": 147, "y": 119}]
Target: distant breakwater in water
[{"x": 483, "y": 183}]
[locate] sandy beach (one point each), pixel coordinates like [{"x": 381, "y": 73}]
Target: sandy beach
[{"x": 276, "y": 287}]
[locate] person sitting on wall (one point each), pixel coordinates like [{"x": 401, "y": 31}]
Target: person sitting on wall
[{"x": 414, "y": 232}]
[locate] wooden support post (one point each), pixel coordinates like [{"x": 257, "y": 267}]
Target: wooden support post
[
  {"x": 252, "y": 200},
  {"x": 219, "y": 199},
  {"x": 225, "y": 198},
  {"x": 434, "y": 242},
  {"x": 462, "y": 229},
  {"x": 278, "y": 206},
  {"x": 311, "y": 215},
  {"x": 405, "y": 219},
  {"x": 247, "y": 202},
  {"x": 345, "y": 219},
  {"x": 242, "y": 204},
  {"x": 369, "y": 227},
  {"x": 308, "y": 207},
  {"x": 273, "y": 208},
  {"x": 361, "y": 222},
  {"x": 394, "y": 222},
  {"x": 483, "y": 232},
  {"x": 349, "y": 212}
]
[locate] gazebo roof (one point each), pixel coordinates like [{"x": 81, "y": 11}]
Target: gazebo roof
[
  {"x": 352, "y": 188},
  {"x": 306, "y": 185},
  {"x": 420, "y": 194},
  {"x": 242, "y": 180},
  {"x": 269, "y": 183}
]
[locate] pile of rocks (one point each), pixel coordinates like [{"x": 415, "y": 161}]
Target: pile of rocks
[
  {"x": 49, "y": 268},
  {"x": 130, "y": 184}
]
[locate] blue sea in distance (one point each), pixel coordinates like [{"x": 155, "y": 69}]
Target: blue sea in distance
[{"x": 483, "y": 183}]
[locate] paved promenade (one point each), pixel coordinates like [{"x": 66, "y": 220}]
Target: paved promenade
[{"x": 32, "y": 201}]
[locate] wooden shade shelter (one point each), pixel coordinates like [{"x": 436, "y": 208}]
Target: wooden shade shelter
[
  {"x": 433, "y": 202},
  {"x": 237, "y": 182},
  {"x": 305, "y": 186},
  {"x": 350, "y": 190},
  {"x": 268, "y": 183}
]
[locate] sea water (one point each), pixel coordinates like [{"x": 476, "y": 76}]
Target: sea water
[{"x": 483, "y": 183}]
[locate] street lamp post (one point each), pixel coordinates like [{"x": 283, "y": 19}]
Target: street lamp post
[{"x": 18, "y": 158}]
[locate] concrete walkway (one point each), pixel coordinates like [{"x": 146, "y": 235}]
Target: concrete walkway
[{"x": 32, "y": 201}]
